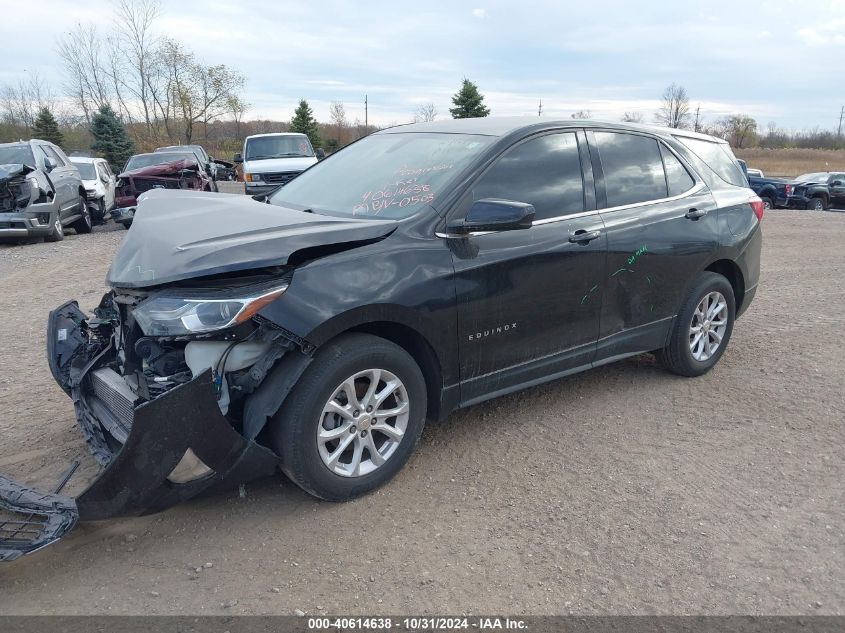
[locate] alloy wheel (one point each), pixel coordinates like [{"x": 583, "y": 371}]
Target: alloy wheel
[
  {"x": 363, "y": 423},
  {"x": 708, "y": 326}
]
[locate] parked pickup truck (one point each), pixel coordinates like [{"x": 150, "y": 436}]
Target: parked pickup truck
[
  {"x": 817, "y": 191},
  {"x": 774, "y": 192}
]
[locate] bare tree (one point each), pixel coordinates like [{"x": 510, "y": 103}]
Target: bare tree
[
  {"x": 237, "y": 108},
  {"x": 632, "y": 117},
  {"x": 337, "y": 114},
  {"x": 20, "y": 103},
  {"x": 425, "y": 113},
  {"x": 674, "y": 111},
  {"x": 86, "y": 79},
  {"x": 582, "y": 114},
  {"x": 135, "y": 48}
]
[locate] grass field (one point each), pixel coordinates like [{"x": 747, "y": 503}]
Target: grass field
[{"x": 792, "y": 162}]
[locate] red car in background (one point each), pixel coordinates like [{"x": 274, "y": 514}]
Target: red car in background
[{"x": 159, "y": 170}]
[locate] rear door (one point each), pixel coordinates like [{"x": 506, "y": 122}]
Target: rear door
[
  {"x": 527, "y": 301},
  {"x": 661, "y": 225}
]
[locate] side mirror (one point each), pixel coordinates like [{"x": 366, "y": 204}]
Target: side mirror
[
  {"x": 320, "y": 153},
  {"x": 837, "y": 183},
  {"x": 50, "y": 164},
  {"x": 494, "y": 215},
  {"x": 238, "y": 158}
]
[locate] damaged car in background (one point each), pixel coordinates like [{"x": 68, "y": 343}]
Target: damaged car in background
[
  {"x": 158, "y": 170},
  {"x": 41, "y": 192},
  {"x": 421, "y": 269}
]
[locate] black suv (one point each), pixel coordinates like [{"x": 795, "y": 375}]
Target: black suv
[{"x": 422, "y": 269}]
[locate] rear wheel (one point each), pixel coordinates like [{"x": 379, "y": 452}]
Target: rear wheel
[
  {"x": 702, "y": 328},
  {"x": 353, "y": 419},
  {"x": 83, "y": 224},
  {"x": 768, "y": 203}
]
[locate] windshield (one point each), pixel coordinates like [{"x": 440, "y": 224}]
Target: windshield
[
  {"x": 16, "y": 155},
  {"x": 147, "y": 160},
  {"x": 277, "y": 147},
  {"x": 806, "y": 177},
  {"x": 390, "y": 176},
  {"x": 196, "y": 149},
  {"x": 86, "y": 170}
]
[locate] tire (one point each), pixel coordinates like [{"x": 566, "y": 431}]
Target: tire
[
  {"x": 768, "y": 203},
  {"x": 57, "y": 233},
  {"x": 679, "y": 356},
  {"x": 294, "y": 428},
  {"x": 816, "y": 204},
  {"x": 83, "y": 224}
]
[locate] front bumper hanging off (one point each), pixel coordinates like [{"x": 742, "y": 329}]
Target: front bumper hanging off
[{"x": 137, "y": 478}]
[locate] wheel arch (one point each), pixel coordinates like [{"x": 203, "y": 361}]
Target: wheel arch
[
  {"x": 733, "y": 273},
  {"x": 419, "y": 348}
]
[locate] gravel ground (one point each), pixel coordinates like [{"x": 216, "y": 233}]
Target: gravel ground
[{"x": 623, "y": 490}]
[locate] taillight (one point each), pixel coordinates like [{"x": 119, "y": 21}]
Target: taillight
[
  {"x": 788, "y": 189},
  {"x": 757, "y": 206}
]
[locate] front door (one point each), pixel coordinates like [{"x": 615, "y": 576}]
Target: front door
[
  {"x": 837, "y": 190},
  {"x": 528, "y": 305}
]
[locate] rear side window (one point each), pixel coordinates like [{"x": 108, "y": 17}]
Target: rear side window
[
  {"x": 544, "y": 171},
  {"x": 633, "y": 169},
  {"x": 677, "y": 176},
  {"x": 718, "y": 157}
]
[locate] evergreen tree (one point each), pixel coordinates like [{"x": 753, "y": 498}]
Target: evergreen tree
[
  {"x": 469, "y": 102},
  {"x": 303, "y": 121},
  {"x": 46, "y": 128},
  {"x": 110, "y": 138}
]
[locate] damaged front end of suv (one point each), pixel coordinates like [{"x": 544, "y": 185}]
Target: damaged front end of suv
[{"x": 176, "y": 373}]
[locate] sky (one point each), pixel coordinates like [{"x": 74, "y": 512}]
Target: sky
[{"x": 778, "y": 61}]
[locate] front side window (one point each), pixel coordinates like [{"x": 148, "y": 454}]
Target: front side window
[
  {"x": 53, "y": 154},
  {"x": 544, "y": 172},
  {"x": 633, "y": 169},
  {"x": 391, "y": 176},
  {"x": 678, "y": 178}
]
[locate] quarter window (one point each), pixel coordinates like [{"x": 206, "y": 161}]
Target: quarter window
[
  {"x": 677, "y": 176},
  {"x": 633, "y": 169},
  {"x": 544, "y": 172}
]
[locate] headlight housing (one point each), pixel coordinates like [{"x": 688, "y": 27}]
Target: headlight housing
[
  {"x": 253, "y": 177},
  {"x": 172, "y": 315}
]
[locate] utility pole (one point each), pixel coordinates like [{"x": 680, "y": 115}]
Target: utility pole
[
  {"x": 841, "y": 117},
  {"x": 540, "y": 108},
  {"x": 366, "y": 117},
  {"x": 695, "y": 127}
]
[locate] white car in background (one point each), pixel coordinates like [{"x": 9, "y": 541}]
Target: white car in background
[
  {"x": 272, "y": 160},
  {"x": 99, "y": 182}
]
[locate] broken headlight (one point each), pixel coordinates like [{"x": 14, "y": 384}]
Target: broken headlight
[{"x": 167, "y": 315}]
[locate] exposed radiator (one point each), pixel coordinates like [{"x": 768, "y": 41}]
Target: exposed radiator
[{"x": 110, "y": 388}]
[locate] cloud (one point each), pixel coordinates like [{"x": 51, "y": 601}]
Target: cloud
[
  {"x": 832, "y": 32},
  {"x": 479, "y": 13}
]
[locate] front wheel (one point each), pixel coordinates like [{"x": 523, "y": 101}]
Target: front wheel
[
  {"x": 83, "y": 224},
  {"x": 57, "y": 231},
  {"x": 703, "y": 327},
  {"x": 353, "y": 419},
  {"x": 816, "y": 204},
  {"x": 768, "y": 203}
]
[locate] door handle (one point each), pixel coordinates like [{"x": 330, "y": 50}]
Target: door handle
[
  {"x": 582, "y": 237},
  {"x": 694, "y": 214}
]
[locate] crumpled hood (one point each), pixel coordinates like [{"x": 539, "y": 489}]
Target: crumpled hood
[
  {"x": 179, "y": 235},
  {"x": 163, "y": 169},
  {"x": 272, "y": 165},
  {"x": 14, "y": 169}
]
